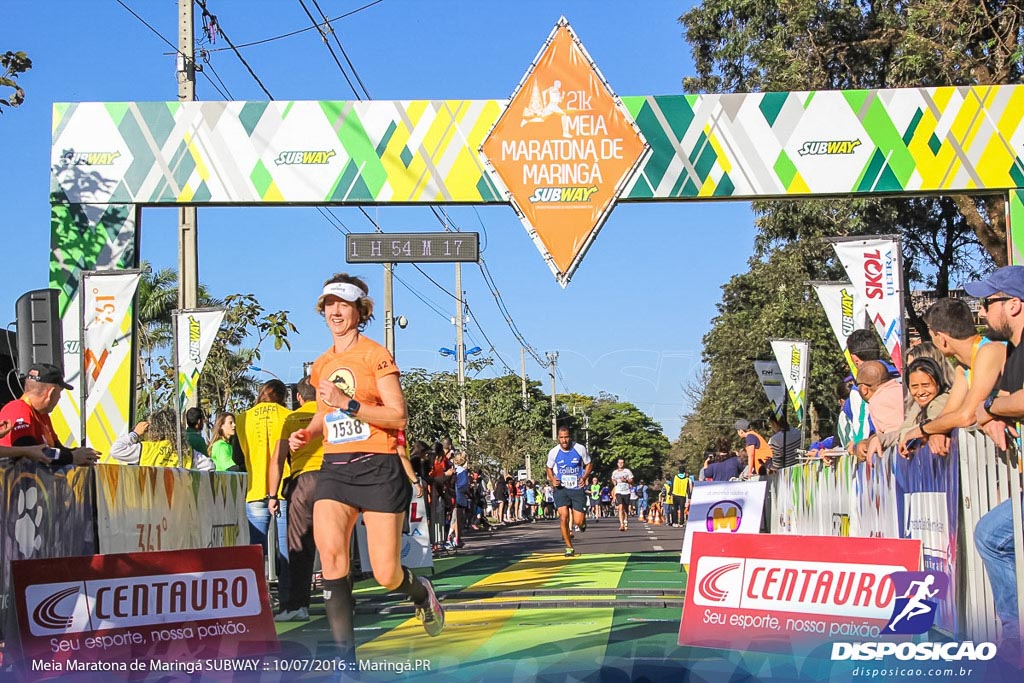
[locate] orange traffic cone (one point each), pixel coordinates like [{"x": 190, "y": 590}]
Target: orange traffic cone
[{"x": 656, "y": 515}]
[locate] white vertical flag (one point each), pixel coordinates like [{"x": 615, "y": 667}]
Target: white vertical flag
[
  {"x": 793, "y": 360},
  {"x": 873, "y": 265},
  {"x": 844, "y": 310},
  {"x": 196, "y": 330},
  {"x": 106, "y": 353},
  {"x": 770, "y": 375}
]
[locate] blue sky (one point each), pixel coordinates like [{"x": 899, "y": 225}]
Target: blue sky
[{"x": 630, "y": 323}]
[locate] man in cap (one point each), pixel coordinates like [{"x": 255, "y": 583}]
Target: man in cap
[
  {"x": 29, "y": 416},
  {"x": 1002, "y": 299}
]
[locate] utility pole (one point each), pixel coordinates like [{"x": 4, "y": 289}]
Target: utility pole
[
  {"x": 460, "y": 354},
  {"x": 552, "y": 364},
  {"x": 188, "y": 250},
  {"x": 389, "y": 308},
  {"x": 522, "y": 365}
]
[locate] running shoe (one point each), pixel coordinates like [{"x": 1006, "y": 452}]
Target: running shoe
[
  {"x": 300, "y": 614},
  {"x": 570, "y": 552},
  {"x": 583, "y": 527},
  {"x": 431, "y": 613}
]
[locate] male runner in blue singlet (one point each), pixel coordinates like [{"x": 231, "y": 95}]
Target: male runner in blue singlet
[{"x": 568, "y": 469}]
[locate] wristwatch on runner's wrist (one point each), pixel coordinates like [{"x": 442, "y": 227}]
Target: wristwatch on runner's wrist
[{"x": 353, "y": 406}]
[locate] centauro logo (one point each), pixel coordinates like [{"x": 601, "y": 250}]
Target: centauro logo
[
  {"x": 73, "y": 158},
  {"x": 126, "y": 602},
  {"x": 306, "y": 158},
  {"x": 562, "y": 194},
  {"x": 818, "y": 147}
]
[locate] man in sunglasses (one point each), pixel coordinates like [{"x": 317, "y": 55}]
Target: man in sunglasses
[
  {"x": 1002, "y": 298},
  {"x": 951, "y": 324}
]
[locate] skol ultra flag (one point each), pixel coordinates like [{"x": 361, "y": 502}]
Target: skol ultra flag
[{"x": 873, "y": 265}]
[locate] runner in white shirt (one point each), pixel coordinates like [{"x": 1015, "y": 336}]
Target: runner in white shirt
[{"x": 622, "y": 478}]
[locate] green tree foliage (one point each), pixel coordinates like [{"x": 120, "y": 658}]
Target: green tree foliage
[
  {"x": 502, "y": 431},
  {"x": 618, "y": 429},
  {"x": 781, "y": 45},
  {"x": 785, "y": 45},
  {"x": 12, "y": 64},
  {"x": 225, "y": 383}
]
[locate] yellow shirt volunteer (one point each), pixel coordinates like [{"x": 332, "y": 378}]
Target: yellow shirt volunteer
[
  {"x": 311, "y": 456},
  {"x": 260, "y": 429}
]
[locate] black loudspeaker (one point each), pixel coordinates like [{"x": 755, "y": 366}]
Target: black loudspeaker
[{"x": 40, "y": 334}]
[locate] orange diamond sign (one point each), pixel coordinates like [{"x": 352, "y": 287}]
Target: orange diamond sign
[{"x": 564, "y": 149}]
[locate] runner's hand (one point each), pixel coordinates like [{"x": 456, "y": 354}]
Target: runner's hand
[
  {"x": 298, "y": 439},
  {"x": 331, "y": 395}
]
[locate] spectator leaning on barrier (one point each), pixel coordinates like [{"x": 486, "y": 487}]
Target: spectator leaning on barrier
[
  {"x": 951, "y": 324},
  {"x": 929, "y": 392},
  {"x": 37, "y": 452},
  {"x": 29, "y": 417},
  {"x": 885, "y": 403},
  {"x": 758, "y": 452},
  {"x": 784, "y": 442},
  {"x": 157, "y": 450},
  {"x": 195, "y": 422},
  {"x": 1002, "y": 295}
]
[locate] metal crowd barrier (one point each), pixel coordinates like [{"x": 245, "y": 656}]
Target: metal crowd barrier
[
  {"x": 989, "y": 477},
  {"x": 937, "y": 499}
]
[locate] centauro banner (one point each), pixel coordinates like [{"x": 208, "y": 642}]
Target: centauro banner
[
  {"x": 196, "y": 330},
  {"x": 873, "y": 266},
  {"x": 105, "y": 351},
  {"x": 770, "y": 375},
  {"x": 844, "y": 310},
  {"x": 794, "y": 360}
]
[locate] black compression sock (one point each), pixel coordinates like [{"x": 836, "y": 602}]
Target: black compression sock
[
  {"x": 340, "y": 608},
  {"x": 411, "y": 587}
]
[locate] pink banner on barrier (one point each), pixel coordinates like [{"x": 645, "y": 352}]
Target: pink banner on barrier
[
  {"x": 149, "y": 610},
  {"x": 764, "y": 592}
]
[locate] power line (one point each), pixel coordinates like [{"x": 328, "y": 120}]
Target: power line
[
  {"x": 330, "y": 49},
  {"x": 301, "y": 30},
  {"x": 172, "y": 45},
  {"x": 343, "y": 52},
  {"x": 220, "y": 31}
]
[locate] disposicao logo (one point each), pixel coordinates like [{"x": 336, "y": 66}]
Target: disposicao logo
[
  {"x": 309, "y": 157},
  {"x": 820, "y": 147},
  {"x": 917, "y": 596},
  {"x": 726, "y": 515}
]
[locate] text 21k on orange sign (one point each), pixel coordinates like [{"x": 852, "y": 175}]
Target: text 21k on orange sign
[{"x": 564, "y": 148}]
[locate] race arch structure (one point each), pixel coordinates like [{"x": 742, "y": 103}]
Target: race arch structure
[{"x": 109, "y": 159}]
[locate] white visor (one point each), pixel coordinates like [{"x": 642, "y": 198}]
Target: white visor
[{"x": 343, "y": 290}]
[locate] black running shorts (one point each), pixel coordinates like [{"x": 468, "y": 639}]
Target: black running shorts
[{"x": 367, "y": 481}]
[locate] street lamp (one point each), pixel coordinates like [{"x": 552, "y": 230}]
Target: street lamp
[{"x": 258, "y": 369}]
